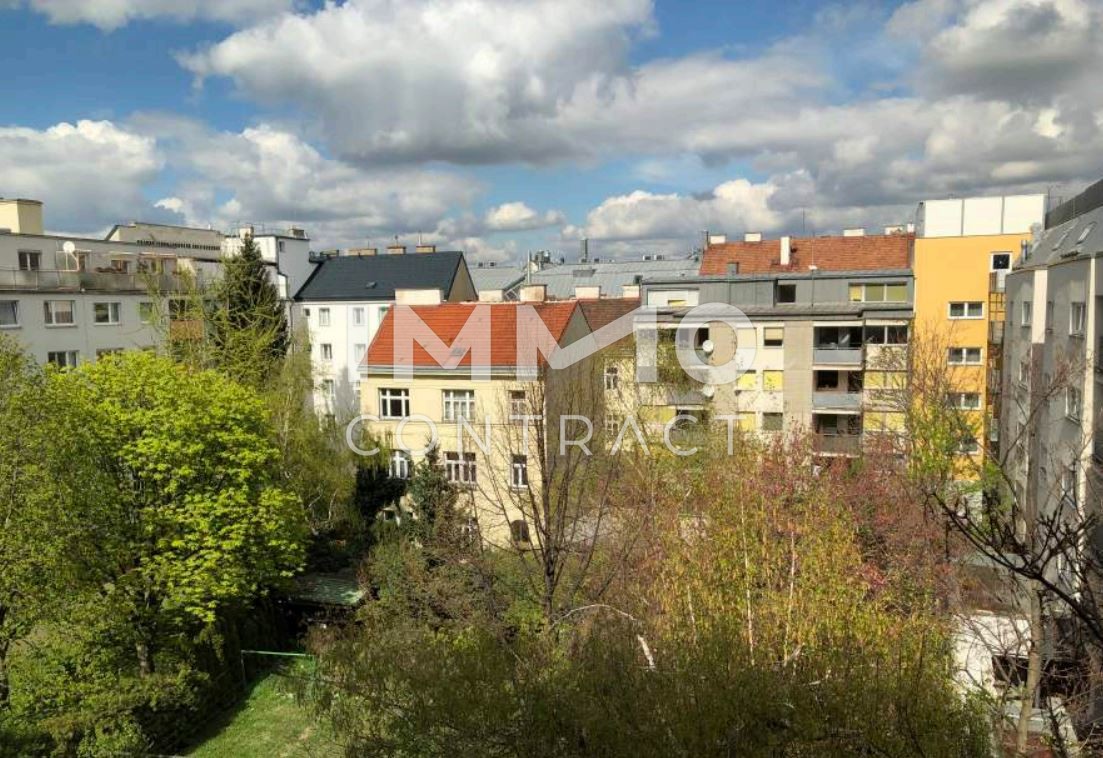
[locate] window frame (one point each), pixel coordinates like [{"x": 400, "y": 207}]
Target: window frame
[
  {"x": 965, "y": 310},
  {"x": 965, "y": 356},
  {"x": 773, "y": 342},
  {"x": 33, "y": 255},
  {"x": 611, "y": 378},
  {"x": 114, "y": 313},
  {"x": 49, "y": 313},
  {"x": 957, "y": 401},
  {"x": 1077, "y": 329},
  {"x": 358, "y": 316},
  {"x": 453, "y": 399},
  {"x": 1074, "y": 404},
  {"x": 780, "y": 417},
  {"x": 325, "y": 351},
  {"x": 70, "y": 358},
  {"x": 324, "y": 317},
  {"x": 15, "y": 314},
  {"x": 461, "y": 469},
  {"x": 400, "y": 465},
  {"x": 1026, "y": 313},
  {"x": 389, "y": 395},
  {"x": 519, "y": 472}
]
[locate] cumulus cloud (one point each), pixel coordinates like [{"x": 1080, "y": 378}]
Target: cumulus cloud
[
  {"x": 89, "y": 174},
  {"x": 516, "y": 216},
  {"x": 112, "y": 14}
]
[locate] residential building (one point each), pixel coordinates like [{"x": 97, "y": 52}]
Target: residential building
[
  {"x": 69, "y": 299},
  {"x": 287, "y": 253},
  {"x": 494, "y": 407},
  {"x": 495, "y": 283},
  {"x": 830, "y": 323},
  {"x": 345, "y": 299},
  {"x": 608, "y": 277},
  {"x": 964, "y": 250}
]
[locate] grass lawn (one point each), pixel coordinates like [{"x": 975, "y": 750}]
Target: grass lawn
[{"x": 268, "y": 723}]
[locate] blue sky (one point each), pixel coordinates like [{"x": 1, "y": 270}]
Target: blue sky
[{"x": 502, "y": 126}]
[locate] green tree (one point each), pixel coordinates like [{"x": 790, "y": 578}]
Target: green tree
[{"x": 432, "y": 496}]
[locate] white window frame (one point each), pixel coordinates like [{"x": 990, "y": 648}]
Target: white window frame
[
  {"x": 390, "y": 395},
  {"x": 49, "y": 313},
  {"x": 1026, "y": 313},
  {"x": 1078, "y": 317},
  {"x": 457, "y": 404},
  {"x": 358, "y": 316},
  {"x": 325, "y": 349},
  {"x": 323, "y": 317},
  {"x": 146, "y": 309},
  {"x": 1070, "y": 488},
  {"x": 1074, "y": 403},
  {"x": 519, "y": 472},
  {"x": 966, "y": 310},
  {"x": 518, "y": 404},
  {"x": 612, "y": 378},
  {"x": 35, "y": 255},
  {"x": 15, "y": 313},
  {"x": 965, "y": 401},
  {"x": 461, "y": 469},
  {"x": 360, "y": 350},
  {"x": 400, "y": 465},
  {"x": 965, "y": 356},
  {"x": 114, "y": 313},
  {"x": 992, "y": 260},
  {"x": 329, "y": 389},
  {"x": 968, "y": 446},
  {"x": 68, "y": 358}
]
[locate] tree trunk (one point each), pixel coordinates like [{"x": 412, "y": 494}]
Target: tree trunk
[
  {"x": 5, "y": 684},
  {"x": 1033, "y": 672},
  {"x": 145, "y": 658}
]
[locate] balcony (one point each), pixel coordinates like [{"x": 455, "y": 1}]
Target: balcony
[
  {"x": 837, "y": 356},
  {"x": 837, "y": 401},
  {"x": 79, "y": 281},
  {"x": 837, "y": 444}
]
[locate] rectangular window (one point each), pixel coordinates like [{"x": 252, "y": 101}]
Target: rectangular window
[
  {"x": 966, "y": 309},
  {"x": 519, "y": 473},
  {"x": 787, "y": 293},
  {"x": 518, "y": 404},
  {"x": 460, "y": 468},
  {"x": 965, "y": 356},
  {"x": 613, "y": 424},
  {"x": 105, "y": 313},
  {"x": 327, "y": 351},
  {"x": 965, "y": 401},
  {"x": 58, "y": 312},
  {"x": 1069, "y": 490},
  {"x": 9, "y": 313},
  {"x": 893, "y": 292},
  {"x": 1027, "y": 313},
  {"x": 748, "y": 380},
  {"x": 399, "y": 467},
  {"x": 771, "y": 381},
  {"x": 745, "y": 421},
  {"x": 1073, "y": 403},
  {"x": 1001, "y": 261},
  {"x": 612, "y": 378},
  {"x": 459, "y": 404},
  {"x": 773, "y": 336},
  {"x": 772, "y": 422},
  {"x": 394, "y": 403},
  {"x": 357, "y": 316},
  {"x": 30, "y": 260},
  {"x": 145, "y": 312},
  {"x": 359, "y": 350},
  {"x": 120, "y": 266},
  {"x": 63, "y": 358},
  {"x": 1024, "y": 371},
  {"x": 329, "y": 389},
  {"x": 323, "y": 317},
  {"x": 1077, "y": 313},
  {"x": 968, "y": 445}
]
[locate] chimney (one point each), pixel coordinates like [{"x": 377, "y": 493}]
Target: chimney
[
  {"x": 752, "y": 237},
  {"x": 534, "y": 293},
  {"x": 425, "y": 249},
  {"x": 717, "y": 239},
  {"x": 587, "y": 292},
  {"x": 362, "y": 252},
  {"x": 417, "y": 297},
  {"x": 854, "y": 232},
  {"x": 630, "y": 290},
  {"x": 396, "y": 249},
  {"x": 492, "y": 296},
  {"x": 786, "y": 250},
  {"x": 584, "y": 254},
  {"x": 297, "y": 232}
]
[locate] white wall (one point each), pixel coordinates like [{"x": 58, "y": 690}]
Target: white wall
[
  {"x": 344, "y": 336},
  {"x": 962, "y": 217}
]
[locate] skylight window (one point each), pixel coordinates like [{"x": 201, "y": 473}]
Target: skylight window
[
  {"x": 1084, "y": 234},
  {"x": 1061, "y": 240}
]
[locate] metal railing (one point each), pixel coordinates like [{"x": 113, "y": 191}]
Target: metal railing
[
  {"x": 836, "y": 401},
  {"x": 76, "y": 281},
  {"x": 837, "y": 356}
]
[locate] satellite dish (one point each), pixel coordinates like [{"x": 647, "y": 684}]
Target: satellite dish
[
  {"x": 707, "y": 347},
  {"x": 69, "y": 247}
]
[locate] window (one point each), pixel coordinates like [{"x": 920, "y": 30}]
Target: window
[
  {"x": 773, "y": 336},
  {"x": 1073, "y": 403},
  {"x": 327, "y": 351},
  {"x": 1077, "y": 313},
  {"x": 399, "y": 467},
  {"x": 895, "y": 292},
  {"x": 893, "y": 334},
  {"x": 357, "y": 316},
  {"x": 748, "y": 380},
  {"x": 58, "y": 312},
  {"x": 966, "y": 401},
  {"x": 1027, "y": 313},
  {"x": 613, "y": 424},
  {"x": 459, "y": 404},
  {"x": 105, "y": 313},
  {"x": 306, "y": 312},
  {"x": 1001, "y": 261},
  {"x": 519, "y": 473},
  {"x": 518, "y": 403},
  {"x": 323, "y": 317},
  {"x": 329, "y": 389},
  {"x": 787, "y": 293},
  {"x": 9, "y": 313},
  {"x": 612, "y": 378},
  {"x": 771, "y": 381},
  {"x": 30, "y": 260},
  {"x": 1084, "y": 234},
  {"x": 970, "y": 309},
  {"x": 1024, "y": 371},
  {"x": 359, "y": 350},
  {"x": 968, "y": 445},
  {"x": 460, "y": 468},
  {"x": 772, "y": 422},
  {"x": 1069, "y": 490},
  {"x": 394, "y": 403},
  {"x": 120, "y": 266},
  {"x": 104, "y": 351},
  {"x": 965, "y": 356},
  {"x": 145, "y": 312},
  {"x": 519, "y": 531},
  {"x": 63, "y": 358}
]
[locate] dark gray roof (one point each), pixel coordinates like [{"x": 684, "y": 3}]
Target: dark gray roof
[
  {"x": 610, "y": 275},
  {"x": 1080, "y": 237},
  {"x": 376, "y": 277}
]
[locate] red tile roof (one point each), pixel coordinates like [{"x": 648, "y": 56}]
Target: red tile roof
[
  {"x": 447, "y": 320},
  {"x": 827, "y": 253},
  {"x": 606, "y": 310}
]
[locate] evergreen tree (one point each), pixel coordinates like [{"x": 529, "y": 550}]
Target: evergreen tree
[{"x": 431, "y": 494}]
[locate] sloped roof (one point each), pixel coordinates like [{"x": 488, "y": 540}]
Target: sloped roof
[
  {"x": 376, "y": 277},
  {"x": 891, "y": 251},
  {"x": 610, "y": 276},
  {"x": 1080, "y": 237},
  {"x": 496, "y": 277},
  {"x": 447, "y": 320},
  {"x": 601, "y": 312}
]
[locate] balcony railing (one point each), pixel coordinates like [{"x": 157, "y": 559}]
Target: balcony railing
[
  {"x": 76, "y": 281},
  {"x": 837, "y": 444},
  {"x": 836, "y": 401},
  {"x": 837, "y": 356}
]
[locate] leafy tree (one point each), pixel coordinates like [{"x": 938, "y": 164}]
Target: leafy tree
[{"x": 432, "y": 496}]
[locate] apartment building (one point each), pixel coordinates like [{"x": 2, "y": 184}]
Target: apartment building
[
  {"x": 607, "y": 277},
  {"x": 964, "y": 250},
  {"x": 1053, "y": 378},
  {"x": 71, "y": 299},
  {"x": 830, "y": 323},
  {"x": 344, "y": 302},
  {"x": 489, "y": 474}
]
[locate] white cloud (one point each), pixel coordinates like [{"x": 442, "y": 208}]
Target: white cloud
[
  {"x": 112, "y": 14},
  {"x": 89, "y": 174},
  {"x": 517, "y": 216}
]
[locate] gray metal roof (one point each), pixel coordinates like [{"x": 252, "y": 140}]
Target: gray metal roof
[
  {"x": 496, "y": 277},
  {"x": 611, "y": 276},
  {"x": 787, "y": 276},
  {"x": 376, "y": 277},
  {"x": 1082, "y": 237}
]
